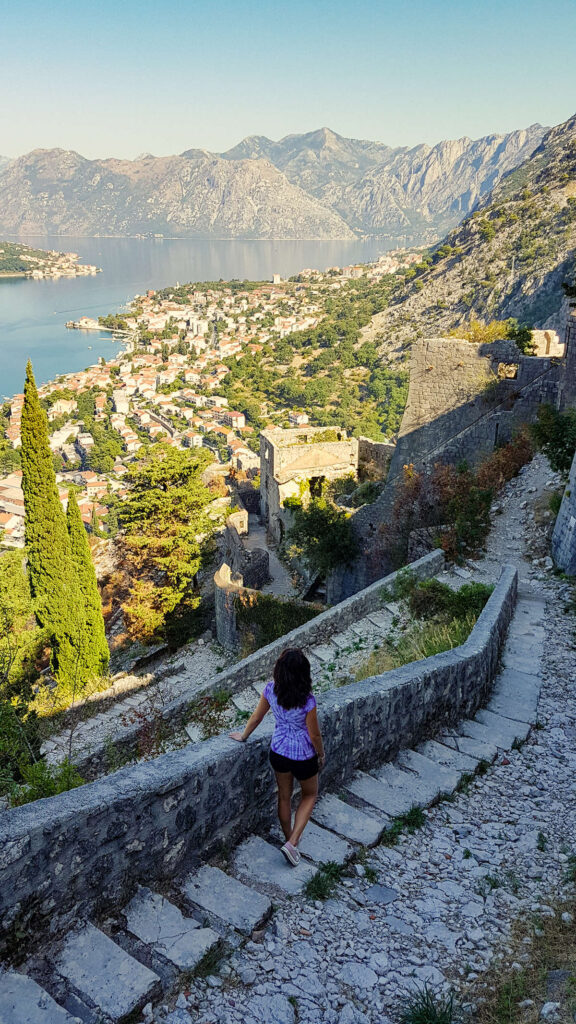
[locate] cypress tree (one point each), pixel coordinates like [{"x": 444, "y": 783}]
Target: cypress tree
[
  {"x": 52, "y": 582},
  {"x": 94, "y": 648}
]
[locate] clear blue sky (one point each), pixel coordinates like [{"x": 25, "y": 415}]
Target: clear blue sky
[{"x": 123, "y": 77}]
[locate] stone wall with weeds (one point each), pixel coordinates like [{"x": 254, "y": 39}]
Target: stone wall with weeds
[
  {"x": 147, "y": 822},
  {"x": 437, "y": 619}
]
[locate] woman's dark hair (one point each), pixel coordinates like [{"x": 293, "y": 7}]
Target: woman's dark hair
[{"x": 292, "y": 682}]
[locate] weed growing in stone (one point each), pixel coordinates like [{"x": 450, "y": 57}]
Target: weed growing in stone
[
  {"x": 409, "y": 822},
  {"x": 322, "y": 885},
  {"x": 211, "y": 713},
  {"x": 541, "y": 842},
  {"x": 427, "y": 1006}
]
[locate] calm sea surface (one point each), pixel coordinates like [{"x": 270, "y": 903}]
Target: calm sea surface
[{"x": 33, "y": 313}]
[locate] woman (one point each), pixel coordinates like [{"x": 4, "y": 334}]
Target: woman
[{"x": 296, "y": 750}]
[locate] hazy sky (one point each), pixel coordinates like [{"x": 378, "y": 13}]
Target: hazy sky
[{"x": 121, "y": 77}]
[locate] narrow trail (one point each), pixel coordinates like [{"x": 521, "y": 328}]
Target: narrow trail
[
  {"x": 445, "y": 898},
  {"x": 437, "y": 907}
]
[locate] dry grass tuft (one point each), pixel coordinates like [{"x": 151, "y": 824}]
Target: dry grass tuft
[{"x": 500, "y": 994}]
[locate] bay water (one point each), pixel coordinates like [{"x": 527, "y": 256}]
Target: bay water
[{"x": 33, "y": 313}]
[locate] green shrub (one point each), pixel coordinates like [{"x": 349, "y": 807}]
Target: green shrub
[
  {"x": 423, "y": 641},
  {"x": 263, "y": 618},
  {"x": 43, "y": 780},
  {"x": 322, "y": 885}
]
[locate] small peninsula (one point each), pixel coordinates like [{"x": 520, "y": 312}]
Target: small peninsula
[{"x": 19, "y": 260}]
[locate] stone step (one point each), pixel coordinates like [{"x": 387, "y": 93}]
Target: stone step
[
  {"x": 194, "y": 732},
  {"x": 398, "y": 790},
  {"x": 227, "y": 899},
  {"x": 245, "y": 700},
  {"x": 367, "y": 631},
  {"x": 159, "y": 924},
  {"x": 326, "y": 653},
  {"x": 447, "y": 756},
  {"x": 348, "y": 821},
  {"x": 349, "y": 642},
  {"x": 392, "y": 790},
  {"x": 514, "y": 707},
  {"x": 104, "y": 975},
  {"x": 382, "y": 620},
  {"x": 510, "y": 683},
  {"x": 317, "y": 667},
  {"x": 503, "y": 731},
  {"x": 320, "y": 845},
  {"x": 262, "y": 865},
  {"x": 443, "y": 779},
  {"x": 22, "y": 1001},
  {"x": 470, "y": 738},
  {"x": 520, "y": 660}
]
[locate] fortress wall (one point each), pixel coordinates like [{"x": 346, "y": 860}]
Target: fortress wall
[
  {"x": 375, "y": 453},
  {"x": 80, "y": 853},
  {"x": 564, "y": 536},
  {"x": 458, "y": 409},
  {"x": 253, "y": 565}
]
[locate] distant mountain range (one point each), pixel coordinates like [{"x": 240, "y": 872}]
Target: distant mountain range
[{"x": 317, "y": 186}]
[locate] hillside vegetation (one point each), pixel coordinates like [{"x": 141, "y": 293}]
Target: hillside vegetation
[{"x": 508, "y": 259}]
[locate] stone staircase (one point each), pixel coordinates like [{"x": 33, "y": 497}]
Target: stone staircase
[{"x": 99, "y": 975}]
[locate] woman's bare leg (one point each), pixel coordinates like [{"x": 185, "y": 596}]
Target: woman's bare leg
[
  {"x": 285, "y": 782},
  {"x": 309, "y": 789}
]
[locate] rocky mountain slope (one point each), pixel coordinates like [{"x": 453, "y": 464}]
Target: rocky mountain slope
[
  {"x": 508, "y": 259},
  {"x": 378, "y": 189},
  {"x": 196, "y": 194},
  {"x": 317, "y": 185}
]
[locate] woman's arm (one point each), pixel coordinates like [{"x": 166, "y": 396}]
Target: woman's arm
[
  {"x": 253, "y": 722},
  {"x": 315, "y": 735}
]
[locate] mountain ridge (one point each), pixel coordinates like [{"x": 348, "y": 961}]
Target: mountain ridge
[
  {"x": 317, "y": 185},
  {"x": 509, "y": 258}
]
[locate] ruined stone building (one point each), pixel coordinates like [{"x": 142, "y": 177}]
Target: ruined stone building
[{"x": 300, "y": 461}]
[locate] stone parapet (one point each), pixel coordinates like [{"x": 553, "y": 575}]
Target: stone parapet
[{"x": 78, "y": 854}]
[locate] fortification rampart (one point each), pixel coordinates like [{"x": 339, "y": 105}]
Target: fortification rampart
[
  {"x": 256, "y": 667},
  {"x": 254, "y": 564},
  {"x": 79, "y": 853},
  {"x": 463, "y": 400}
]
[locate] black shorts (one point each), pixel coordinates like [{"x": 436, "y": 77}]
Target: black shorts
[{"x": 301, "y": 770}]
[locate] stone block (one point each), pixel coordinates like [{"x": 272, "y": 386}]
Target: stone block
[
  {"x": 104, "y": 974},
  {"x": 348, "y": 821},
  {"x": 447, "y": 756},
  {"x": 22, "y": 1001},
  {"x": 514, "y": 707},
  {"x": 264, "y": 866},
  {"x": 442, "y": 778},
  {"x": 321, "y": 846},
  {"x": 158, "y": 923},
  {"x": 227, "y": 899},
  {"x": 472, "y": 739},
  {"x": 502, "y": 731}
]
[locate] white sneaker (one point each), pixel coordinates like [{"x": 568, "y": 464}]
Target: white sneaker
[{"x": 291, "y": 853}]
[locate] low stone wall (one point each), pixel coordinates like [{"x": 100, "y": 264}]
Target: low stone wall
[
  {"x": 564, "y": 536},
  {"x": 81, "y": 852},
  {"x": 256, "y": 667}
]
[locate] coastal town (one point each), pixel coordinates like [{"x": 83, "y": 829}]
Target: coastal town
[{"x": 166, "y": 384}]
